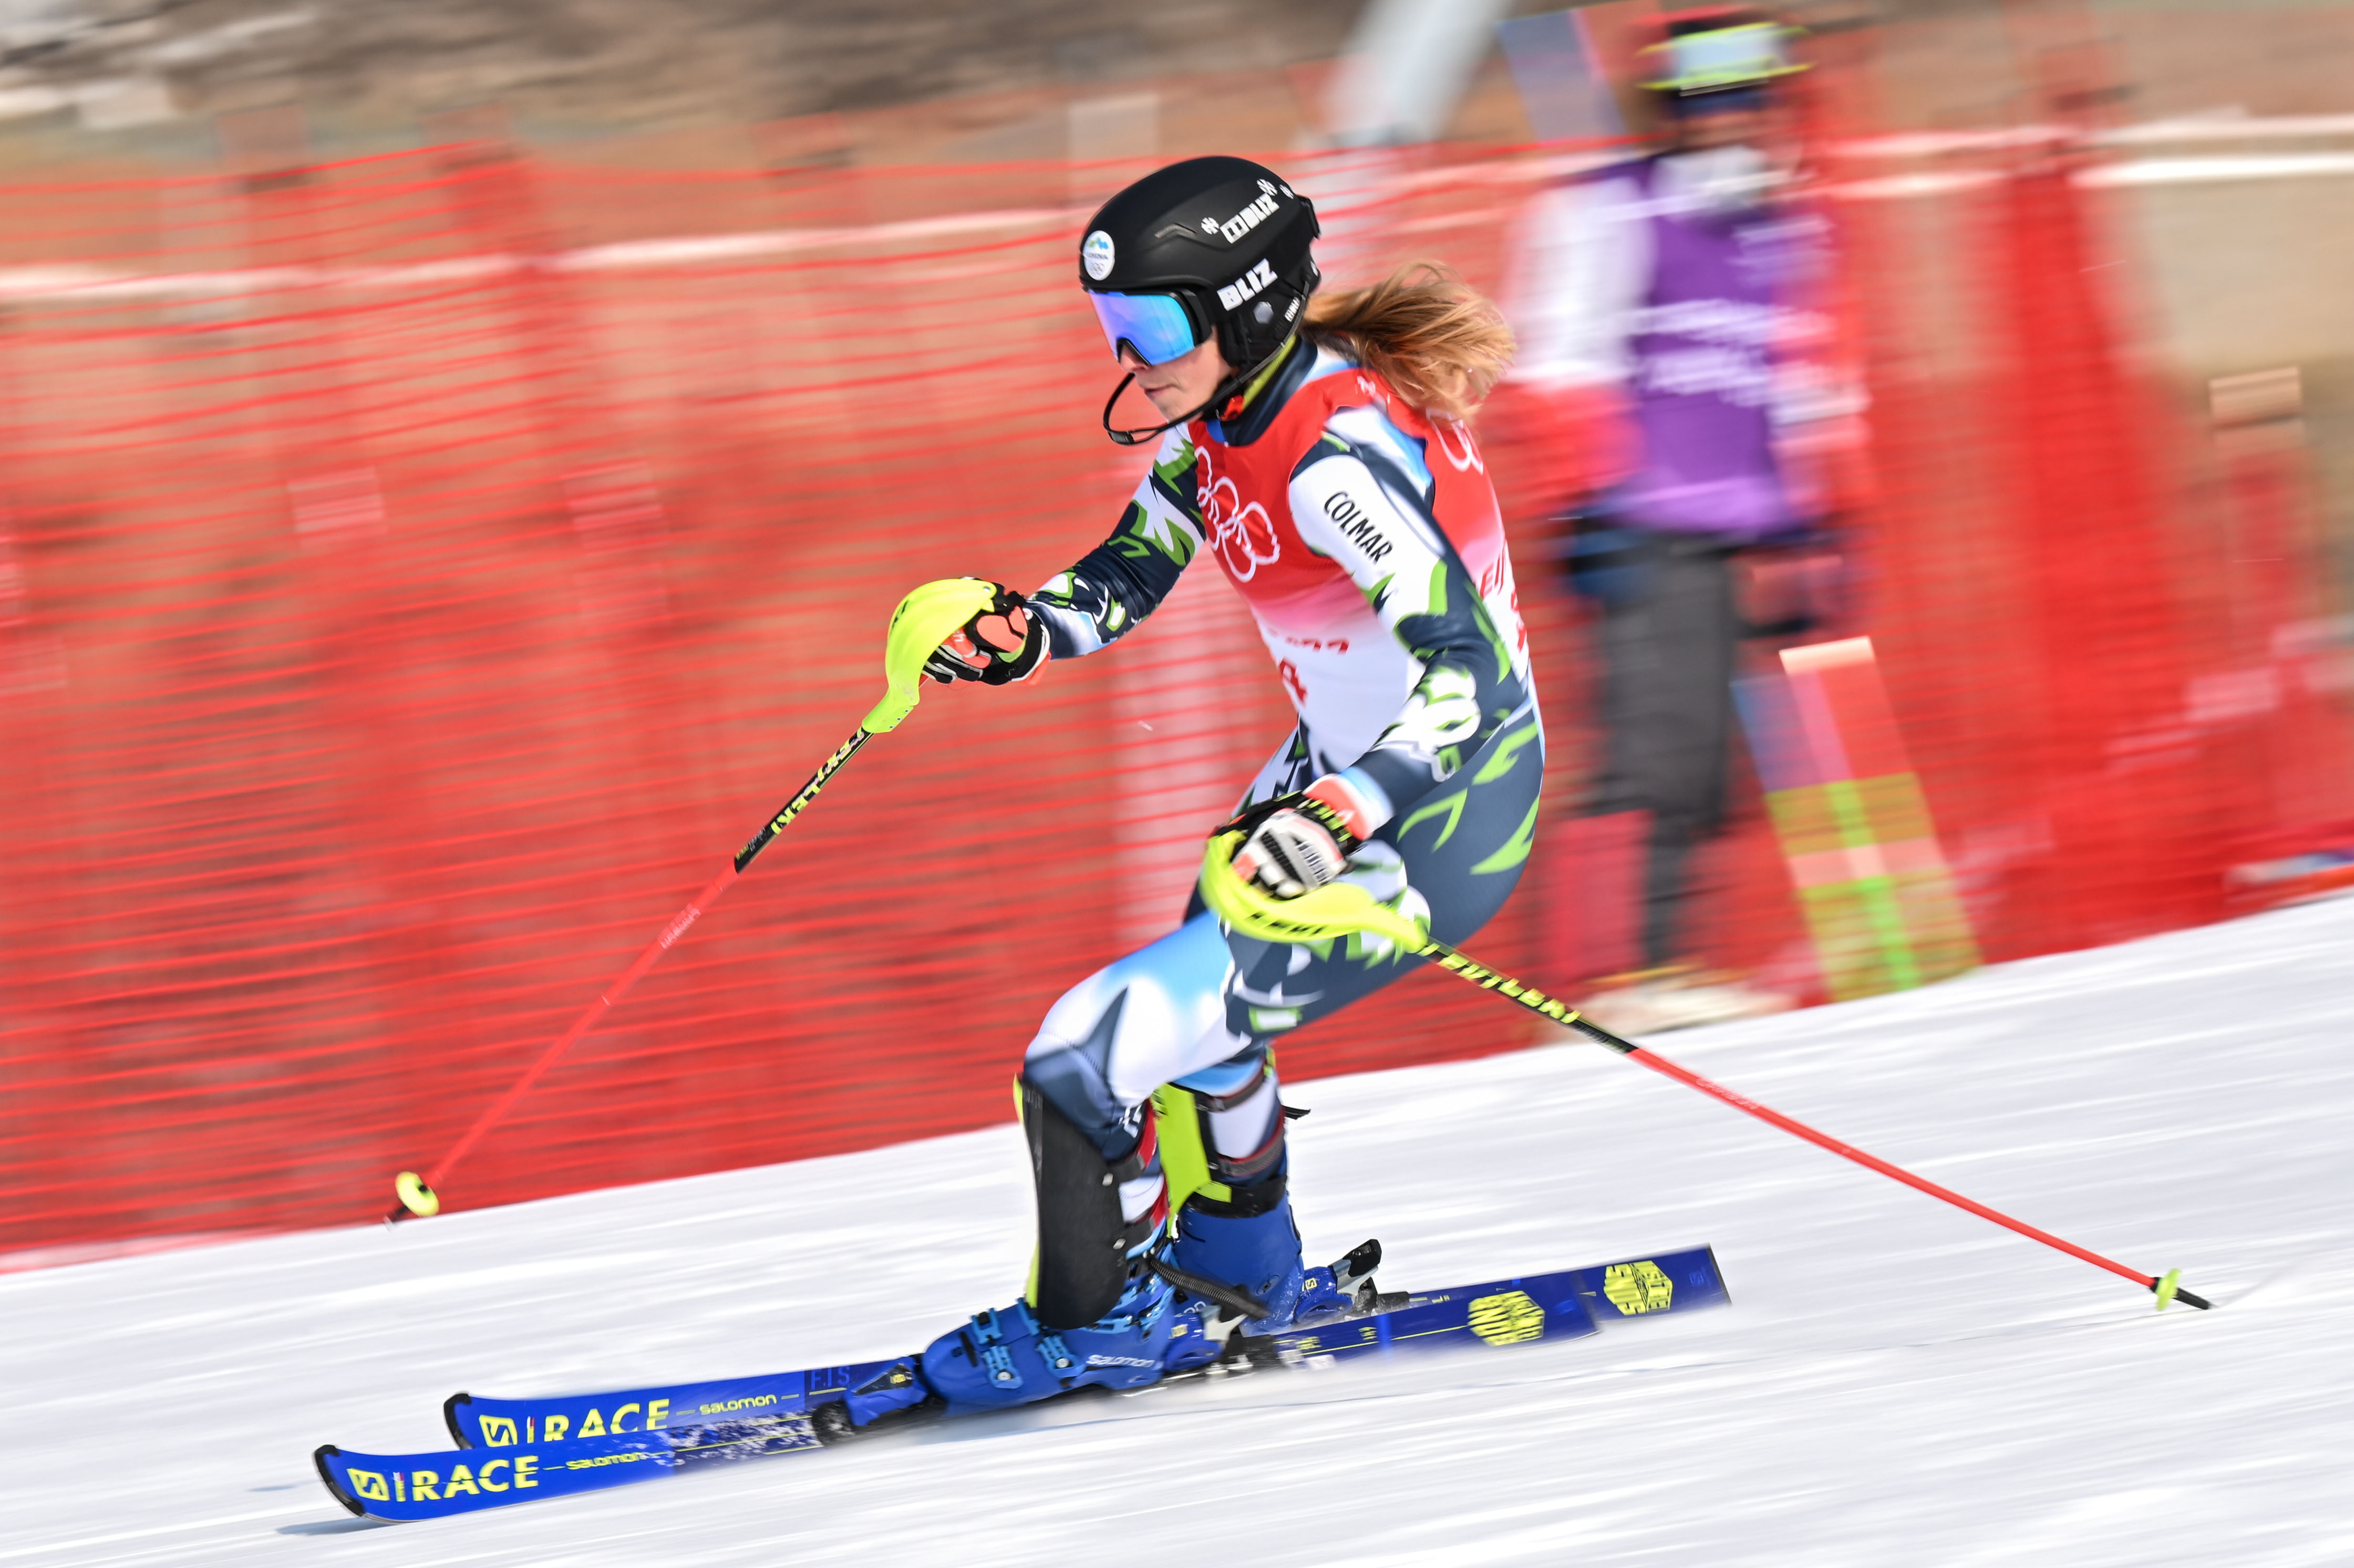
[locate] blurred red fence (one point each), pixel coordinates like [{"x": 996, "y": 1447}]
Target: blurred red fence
[{"x": 416, "y": 575}]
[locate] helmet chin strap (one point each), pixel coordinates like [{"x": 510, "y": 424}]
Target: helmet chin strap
[{"x": 1225, "y": 389}]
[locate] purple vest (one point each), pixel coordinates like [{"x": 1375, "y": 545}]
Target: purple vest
[{"x": 1703, "y": 352}]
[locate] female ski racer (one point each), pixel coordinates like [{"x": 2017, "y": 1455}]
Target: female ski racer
[{"x": 1314, "y": 446}]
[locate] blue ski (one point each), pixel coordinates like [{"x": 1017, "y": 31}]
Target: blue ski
[{"x": 520, "y": 1450}]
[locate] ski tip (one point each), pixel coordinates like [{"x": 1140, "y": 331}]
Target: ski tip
[
  {"x": 449, "y": 1419},
  {"x": 415, "y": 1197},
  {"x": 319, "y": 1457},
  {"x": 2170, "y": 1290}
]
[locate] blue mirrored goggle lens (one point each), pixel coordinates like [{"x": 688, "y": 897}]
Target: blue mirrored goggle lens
[{"x": 1155, "y": 325}]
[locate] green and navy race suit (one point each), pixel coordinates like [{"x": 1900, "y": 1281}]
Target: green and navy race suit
[{"x": 1365, "y": 538}]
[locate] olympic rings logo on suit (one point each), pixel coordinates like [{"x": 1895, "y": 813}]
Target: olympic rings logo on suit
[
  {"x": 1445, "y": 429},
  {"x": 1244, "y": 536}
]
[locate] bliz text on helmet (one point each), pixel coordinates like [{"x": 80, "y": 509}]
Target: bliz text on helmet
[
  {"x": 1250, "y": 217},
  {"x": 1356, "y": 526},
  {"x": 1261, "y": 274}
]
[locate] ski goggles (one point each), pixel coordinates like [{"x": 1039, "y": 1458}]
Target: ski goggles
[
  {"x": 1157, "y": 326},
  {"x": 1729, "y": 100},
  {"x": 1723, "y": 57}
]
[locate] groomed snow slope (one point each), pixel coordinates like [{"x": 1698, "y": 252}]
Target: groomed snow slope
[{"x": 1896, "y": 1382}]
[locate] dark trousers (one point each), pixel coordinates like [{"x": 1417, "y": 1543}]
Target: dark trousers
[{"x": 1668, "y": 632}]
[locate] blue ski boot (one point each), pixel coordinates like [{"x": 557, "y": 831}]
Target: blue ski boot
[
  {"x": 1235, "y": 1251},
  {"x": 1096, "y": 1313},
  {"x": 1193, "y": 1332},
  {"x": 1225, "y": 1329},
  {"x": 1239, "y": 1260},
  {"x": 1010, "y": 1357},
  {"x": 1249, "y": 1245}
]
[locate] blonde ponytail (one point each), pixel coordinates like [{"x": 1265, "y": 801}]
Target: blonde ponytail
[{"x": 1438, "y": 342}]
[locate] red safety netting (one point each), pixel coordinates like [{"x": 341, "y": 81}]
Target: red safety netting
[{"x": 418, "y": 576}]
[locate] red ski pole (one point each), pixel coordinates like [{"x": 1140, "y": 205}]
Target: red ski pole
[
  {"x": 922, "y": 620},
  {"x": 1338, "y": 907},
  {"x": 2168, "y": 1287}
]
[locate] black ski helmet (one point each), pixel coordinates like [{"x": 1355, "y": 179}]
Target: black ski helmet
[{"x": 1227, "y": 238}]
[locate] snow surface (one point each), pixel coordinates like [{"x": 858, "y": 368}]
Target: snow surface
[{"x": 1896, "y": 1382}]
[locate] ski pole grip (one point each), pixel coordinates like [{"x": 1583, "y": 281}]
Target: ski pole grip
[
  {"x": 1334, "y": 910},
  {"x": 924, "y": 620}
]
